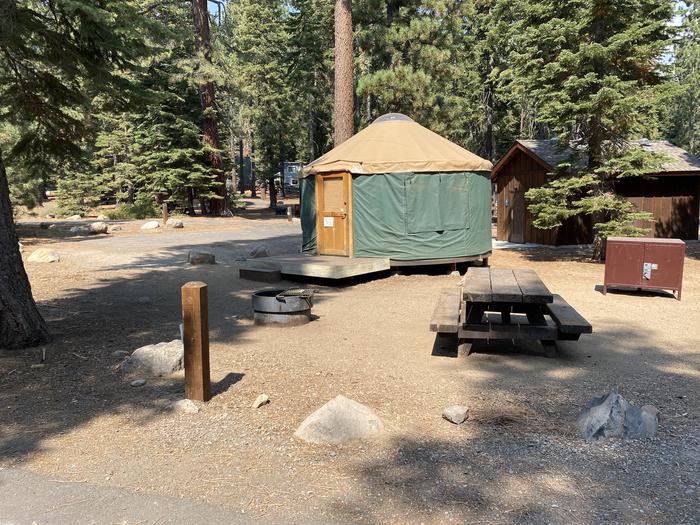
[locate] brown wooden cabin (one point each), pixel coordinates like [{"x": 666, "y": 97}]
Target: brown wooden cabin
[{"x": 672, "y": 196}]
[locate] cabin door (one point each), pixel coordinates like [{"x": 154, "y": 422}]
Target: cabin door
[
  {"x": 333, "y": 214},
  {"x": 517, "y": 217}
]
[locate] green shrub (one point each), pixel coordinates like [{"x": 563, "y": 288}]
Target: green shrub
[{"x": 138, "y": 210}]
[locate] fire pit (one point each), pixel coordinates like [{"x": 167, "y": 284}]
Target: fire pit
[{"x": 282, "y": 307}]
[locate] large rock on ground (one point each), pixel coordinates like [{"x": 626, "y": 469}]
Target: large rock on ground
[
  {"x": 338, "y": 421},
  {"x": 612, "y": 416},
  {"x": 98, "y": 227},
  {"x": 201, "y": 258},
  {"x": 44, "y": 255},
  {"x": 150, "y": 225},
  {"x": 157, "y": 360}
]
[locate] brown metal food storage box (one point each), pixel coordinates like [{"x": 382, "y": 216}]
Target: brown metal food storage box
[{"x": 643, "y": 262}]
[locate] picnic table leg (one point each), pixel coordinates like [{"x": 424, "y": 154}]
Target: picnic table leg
[
  {"x": 464, "y": 347},
  {"x": 550, "y": 348},
  {"x": 536, "y": 318}
]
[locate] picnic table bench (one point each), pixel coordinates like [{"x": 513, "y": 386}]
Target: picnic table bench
[{"x": 504, "y": 304}]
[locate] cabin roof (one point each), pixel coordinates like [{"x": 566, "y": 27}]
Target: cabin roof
[{"x": 549, "y": 153}]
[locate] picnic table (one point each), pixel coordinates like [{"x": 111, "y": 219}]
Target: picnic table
[{"x": 496, "y": 303}]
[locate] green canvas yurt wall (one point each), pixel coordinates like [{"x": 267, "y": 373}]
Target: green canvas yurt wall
[{"x": 409, "y": 216}]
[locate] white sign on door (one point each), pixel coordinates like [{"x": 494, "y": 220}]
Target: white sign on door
[{"x": 328, "y": 222}]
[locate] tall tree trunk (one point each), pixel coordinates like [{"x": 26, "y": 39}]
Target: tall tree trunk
[
  {"x": 241, "y": 167},
  {"x": 207, "y": 99},
  {"x": 488, "y": 139},
  {"x": 343, "y": 94},
  {"x": 21, "y": 324}
]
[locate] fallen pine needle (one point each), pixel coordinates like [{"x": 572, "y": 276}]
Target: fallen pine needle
[{"x": 78, "y": 355}]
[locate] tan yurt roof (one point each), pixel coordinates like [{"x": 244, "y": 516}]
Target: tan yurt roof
[{"x": 394, "y": 143}]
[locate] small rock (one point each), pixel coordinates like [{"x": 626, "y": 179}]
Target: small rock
[
  {"x": 641, "y": 423},
  {"x": 456, "y": 414},
  {"x": 338, "y": 421},
  {"x": 98, "y": 227},
  {"x": 259, "y": 250},
  {"x": 74, "y": 218},
  {"x": 50, "y": 216},
  {"x": 138, "y": 382},
  {"x": 157, "y": 360},
  {"x": 201, "y": 258},
  {"x": 115, "y": 228},
  {"x": 53, "y": 226},
  {"x": 44, "y": 255},
  {"x": 174, "y": 223},
  {"x": 143, "y": 300},
  {"x": 101, "y": 218},
  {"x": 455, "y": 273},
  {"x": 262, "y": 399},
  {"x": 184, "y": 405},
  {"x": 21, "y": 247},
  {"x": 120, "y": 353},
  {"x": 80, "y": 230},
  {"x": 150, "y": 225}
]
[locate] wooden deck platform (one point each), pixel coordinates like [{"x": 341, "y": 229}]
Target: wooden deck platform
[{"x": 319, "y": 266}]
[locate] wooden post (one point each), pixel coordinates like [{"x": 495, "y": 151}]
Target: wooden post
[
  {"x": 195, "y": 318},
  {"x": 165, "y": 213}
]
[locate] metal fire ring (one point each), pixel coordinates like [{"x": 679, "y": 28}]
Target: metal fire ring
[{"x": 284, "y": 307}]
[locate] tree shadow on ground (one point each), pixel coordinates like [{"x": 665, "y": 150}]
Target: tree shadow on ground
[
  {"x": 519, "y": 457},
  {"x": 131, "y": 306}
]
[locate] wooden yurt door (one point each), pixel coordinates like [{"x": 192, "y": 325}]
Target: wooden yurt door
[{"x": 333, "y": 214}]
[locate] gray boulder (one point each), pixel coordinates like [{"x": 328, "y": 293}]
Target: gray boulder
[
  {"x": 456, "y": 414},
  {"x": 612, "y": 416},
  {"x": 101, "y": 218},
  {"x": 44, "y": 255},
  {"x": 115, "y": 228},
  {"x": 201, "y": 258},
  {"x": 150, "y": 225},
  {"x": 259, "y": 250},
  {"x": 98, "y": 228},
  {"x": 74, "y": 218},
  {"x": 156, "y": 360},
  {"x": 174, "y": 223},
  {"x": 338, "y": 421}
]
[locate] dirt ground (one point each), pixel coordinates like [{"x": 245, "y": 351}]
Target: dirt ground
[{"x": 518, "y": 458}]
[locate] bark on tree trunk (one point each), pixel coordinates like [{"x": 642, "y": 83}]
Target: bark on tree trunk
[
  {"x": 21, "y": 324},
  {"x": 207, "y": 99},
  {"x": 343, "y": 93}
]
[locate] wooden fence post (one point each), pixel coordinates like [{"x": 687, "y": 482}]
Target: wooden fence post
[
  {"x": 165, "y": 213},
  {"x": 195, "y": 318}
]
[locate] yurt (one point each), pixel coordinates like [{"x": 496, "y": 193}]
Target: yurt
[{"x": 397, "y": 190}]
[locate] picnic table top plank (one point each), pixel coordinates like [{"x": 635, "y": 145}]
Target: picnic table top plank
[
  {"x": 534, "y": 290},
  {"x": 504, "y": 286},
  {"x": 477, "y": 285}
]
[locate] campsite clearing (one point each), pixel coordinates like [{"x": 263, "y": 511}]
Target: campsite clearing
[{"x": 517, "y": 459}]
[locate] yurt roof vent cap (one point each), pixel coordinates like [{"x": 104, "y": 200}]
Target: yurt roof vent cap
[{"x": 389, "y": 117}]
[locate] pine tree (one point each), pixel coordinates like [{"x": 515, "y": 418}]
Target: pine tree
[
  {"x": 49, "y": 72},
  {"x": 684, "y": 128},
  {"x": 593, "y": 70},
  {"x": 265, "y": 87}
]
